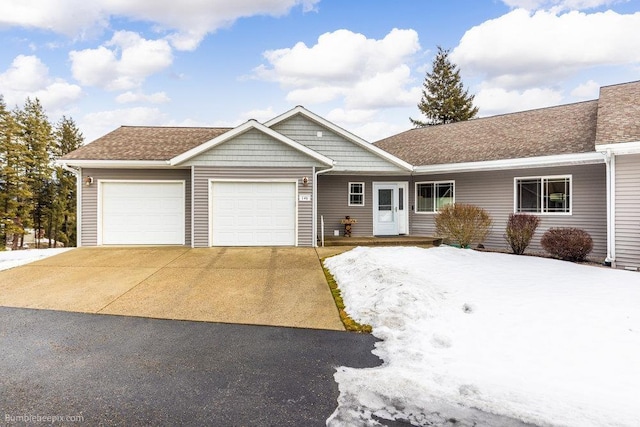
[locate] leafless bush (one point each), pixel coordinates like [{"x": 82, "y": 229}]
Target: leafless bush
[
  {"x": 520, "y": 230},
  {"x": 570, "y": 244},
  {"x": 464, "y": 224}
]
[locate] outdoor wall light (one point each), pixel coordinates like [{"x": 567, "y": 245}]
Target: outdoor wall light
[
  {"x": 88, "y": 181},
  {"x": 305, "y": 180}
]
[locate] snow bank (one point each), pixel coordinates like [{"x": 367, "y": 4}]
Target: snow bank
[
  {"x": 10, "y": 259},
  {"x": 468, "y": 334}
]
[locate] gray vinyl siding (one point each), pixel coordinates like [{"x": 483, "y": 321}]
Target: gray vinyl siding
[
  {"x": 253, "y": 148},
  {"x": 494, "y": 191},
  {"x": 333, "y": 202},
  {"x": 627, "y": 211},
  {"x": 89, "y": 226},
  {"x": 202, "y": 175},
  {"x": 347, "y": 154}
]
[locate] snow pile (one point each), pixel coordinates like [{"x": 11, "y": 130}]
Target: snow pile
[
  {"x": 10, "y": 259},
  {"x": 490, "y": 339}
]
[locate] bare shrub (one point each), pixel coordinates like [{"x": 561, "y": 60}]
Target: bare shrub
[
  {"x": 464, "y": 224},
  {"x": 570, "y": 244},
  {"x": 520, "y": 230}
]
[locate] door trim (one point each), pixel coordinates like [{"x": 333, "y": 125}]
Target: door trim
[{"x": 405, "y": 216}]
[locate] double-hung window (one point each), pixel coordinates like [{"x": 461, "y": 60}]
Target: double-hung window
[
  {"x": 432, "y": 196},
  {"x": 356, "y": 194},
  {"x": 543, "y": 194}
]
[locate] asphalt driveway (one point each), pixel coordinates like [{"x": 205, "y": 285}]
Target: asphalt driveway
[
  {"x": 260, "y": 286},
  {"x": 127, "y": 371}
]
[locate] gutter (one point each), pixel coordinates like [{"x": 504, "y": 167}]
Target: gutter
[
  {"x": 78, "y": 174},
  {"x": 610, "y": 161},
  {"x": 519, "y": 163}
]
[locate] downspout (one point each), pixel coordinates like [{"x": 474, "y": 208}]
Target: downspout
[
  {"x": 78, "y": 175},
  {"x": 315, "y": 201},
  {"x": 609, "y": 159}
]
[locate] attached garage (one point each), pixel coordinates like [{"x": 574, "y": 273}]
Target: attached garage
[
  {"x": 253, "y": 213},
  {"x": 142, "y": 213}
]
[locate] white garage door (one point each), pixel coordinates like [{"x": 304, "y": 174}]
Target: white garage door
[
  {"x": 142, "y": 213},
  {"x": 254, "y": 213}
]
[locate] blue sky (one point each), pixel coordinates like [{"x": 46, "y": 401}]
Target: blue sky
[{"x": 359, "y": 63}]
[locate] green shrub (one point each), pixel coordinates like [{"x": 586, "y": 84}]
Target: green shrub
[
  {"x": 520, "y": 230},
  {"x": 463, "y": 224},
  {"x": 570, "y": 244}
]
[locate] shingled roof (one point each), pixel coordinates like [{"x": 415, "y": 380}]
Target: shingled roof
[
  {"x": 145, "y": 143},
  {"x": 565, "y": 129},
  {"x": 619, "y": 113}
]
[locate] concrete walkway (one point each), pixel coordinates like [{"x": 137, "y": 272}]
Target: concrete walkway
[{"x": 260, "y": 286}]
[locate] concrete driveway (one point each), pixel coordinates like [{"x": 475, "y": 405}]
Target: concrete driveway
[{"x": 260, "y": 286}]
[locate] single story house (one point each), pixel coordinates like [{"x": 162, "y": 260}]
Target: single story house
[{"x": 284, "y": 181}]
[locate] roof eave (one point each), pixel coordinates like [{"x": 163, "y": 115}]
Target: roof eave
[
  {"x": 620, "y": 148},
  {"x": 517, "y": 163},
  {"x": 342, "y": 132},
  {"x": 126, "y": 164}
]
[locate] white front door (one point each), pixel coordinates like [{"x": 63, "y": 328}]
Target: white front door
[{"x": 385, "y": 209}]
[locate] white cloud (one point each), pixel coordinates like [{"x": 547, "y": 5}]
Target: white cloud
[
  {"x": 493, "y": 101},
  {"x": 548, "y": 46},
  {"x": 131, "y": 97},
  {"x": 587, "y": 90},
  {"x": 28, "y": 76},
  {"x": 122, "y": 63},
  {"x": 188, "y": 20},
  {"x": 366, "y": 73},
  {"x": 95, "y": 125},
  {"x": 259, "y": 114},
  {"x": 340, "y": 115},
  {"x": 559, "y": 4}
]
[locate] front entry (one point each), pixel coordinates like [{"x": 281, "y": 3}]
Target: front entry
[{"x": 389, "y": 215}]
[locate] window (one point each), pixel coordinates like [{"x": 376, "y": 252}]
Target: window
[
  {"x": 431, "y": 196},
  {"x": 356, "y": 194},
  {"x": 545, "y": 194}
]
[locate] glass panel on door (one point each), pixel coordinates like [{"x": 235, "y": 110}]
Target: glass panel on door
[{"x": 385, "y": 205}]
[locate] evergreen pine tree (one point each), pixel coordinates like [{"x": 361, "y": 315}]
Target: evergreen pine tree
[
  {"x": 444, "y": 99},
  {"x": 15, "y": 194},
  {"x": 67, "y": 138},
  {"x": 36, "y": 133}
]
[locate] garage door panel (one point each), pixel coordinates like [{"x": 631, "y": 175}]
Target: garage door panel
[
  {"x": 149, "y": 213},
  {"x": 253, "y": 214}
]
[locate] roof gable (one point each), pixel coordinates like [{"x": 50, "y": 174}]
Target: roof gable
[
  {"x": 305, "y": 126},
  {"x": 566, "y": 129},
  {"x": 253, "y": 148},
  {"x": 251, "y": 124}
]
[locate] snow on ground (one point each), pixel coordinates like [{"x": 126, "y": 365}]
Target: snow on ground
[
  {"x": 467, "y": 333},
  {"x": 10, "y": 259}
]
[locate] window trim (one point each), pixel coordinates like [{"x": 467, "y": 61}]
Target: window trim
[
  {"x": 542, "y": 179},
  {"x": 415, "y": 195},
  {"x": 349, "y": 193}
]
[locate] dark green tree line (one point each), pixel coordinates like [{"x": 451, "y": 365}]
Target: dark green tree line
[{"x": 34, "y": 192}]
